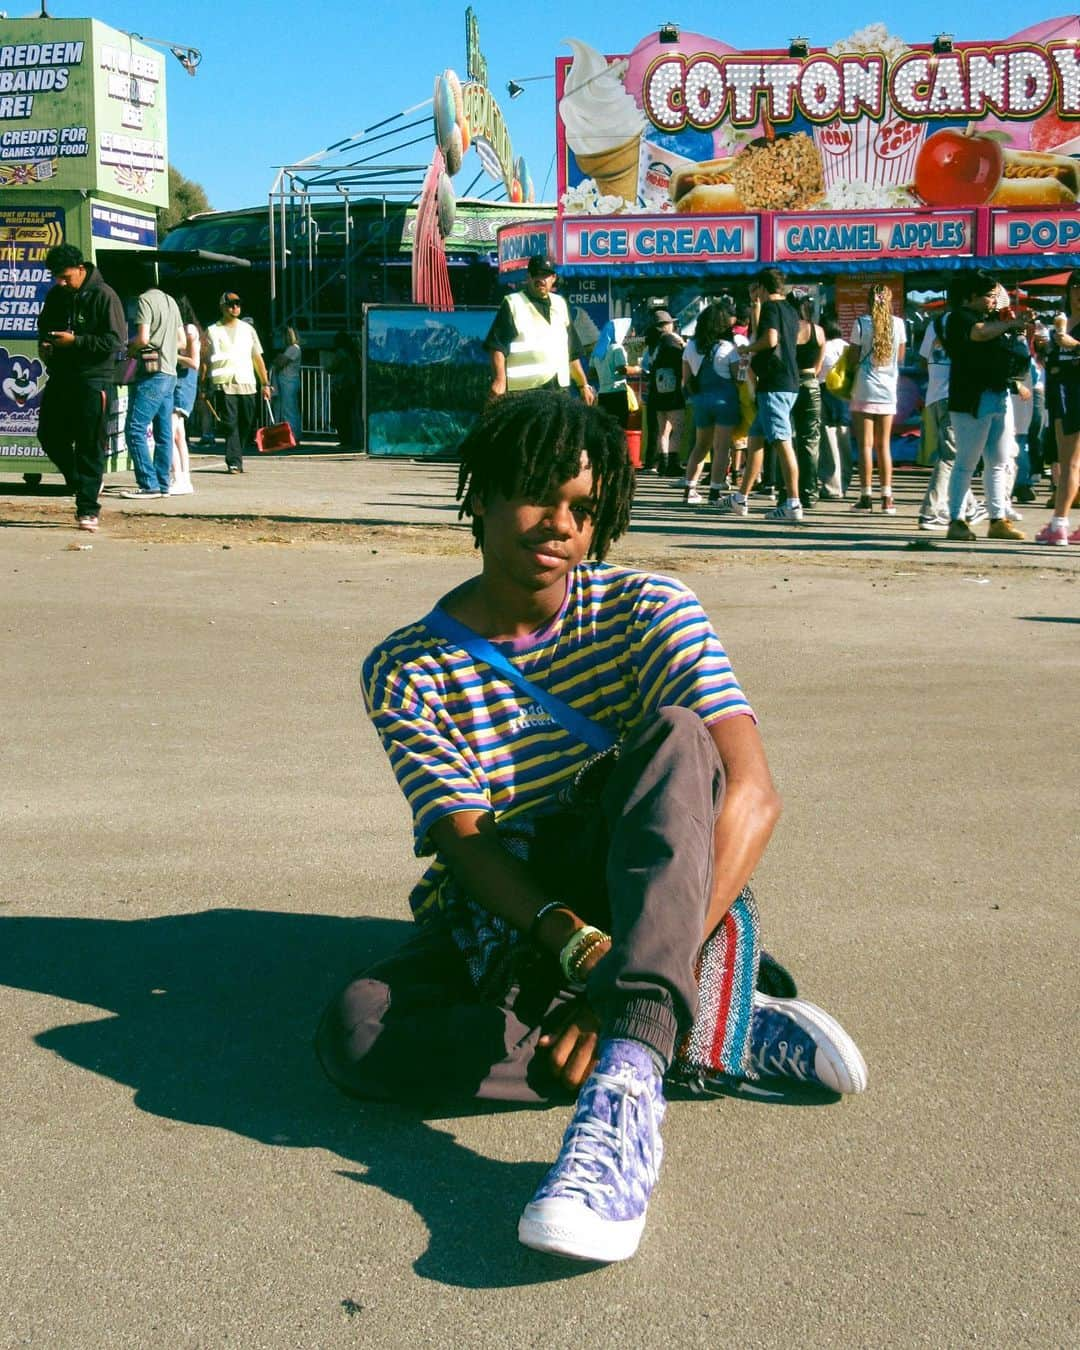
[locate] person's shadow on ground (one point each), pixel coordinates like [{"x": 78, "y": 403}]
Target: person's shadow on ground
[{"x": 213, "y": 1021}]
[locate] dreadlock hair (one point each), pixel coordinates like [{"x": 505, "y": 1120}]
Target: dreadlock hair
[
  {"x": 881, "y": 316},
  {"x": 527, "y": 444}
]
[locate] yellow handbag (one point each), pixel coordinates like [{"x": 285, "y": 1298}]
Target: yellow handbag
[
  {"x": 840, "y": 381},
  {"x": 747, "y": 410}
]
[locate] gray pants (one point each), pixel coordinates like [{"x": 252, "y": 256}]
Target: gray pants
[
  {"x": 414, "y": 1028},
  {"x": 935, "y": 504}
]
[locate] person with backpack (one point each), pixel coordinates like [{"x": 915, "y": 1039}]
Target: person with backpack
[
  {"x": 834, "y": 454},
  {"x": 664, "y": 399},
  {"x": 156, "y": 346},
  {"x": 712, "y": 365},
  {"x": 612, "y": 367},
  {"x": 934, "y": 511},
  {"x": 983, "y": 361}
]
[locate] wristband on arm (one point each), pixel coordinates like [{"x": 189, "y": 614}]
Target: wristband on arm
[{"x": 534, "y": 927}]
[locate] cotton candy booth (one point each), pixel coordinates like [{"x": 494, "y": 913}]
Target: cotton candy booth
[{"x": 687, "y": 164}]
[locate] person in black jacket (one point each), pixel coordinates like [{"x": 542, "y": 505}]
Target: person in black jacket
[{"x": 81, "y": 330}]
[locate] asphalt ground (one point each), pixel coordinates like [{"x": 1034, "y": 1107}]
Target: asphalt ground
[{"x": 202, "y": 839}]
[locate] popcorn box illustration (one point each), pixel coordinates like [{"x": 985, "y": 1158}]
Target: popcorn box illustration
[{"x": 879, "y": 154}]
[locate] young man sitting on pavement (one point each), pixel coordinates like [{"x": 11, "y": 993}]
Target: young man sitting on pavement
[{"x": 586, "y": 925}]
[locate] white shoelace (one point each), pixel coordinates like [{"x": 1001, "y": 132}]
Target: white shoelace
[
  {"x": 786, "y": 1063},
  {"x": 592, "y": 1144}
]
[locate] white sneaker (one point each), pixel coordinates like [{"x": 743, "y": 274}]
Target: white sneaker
[
  {"x": 141, "y": 494},
  {"x": 978, "y": 513},
  {"x": 785, "y": 511},
  {"x": 730, "y": 505},
  {"x": 1011, "y": 513},
  {"x": 181, "y": 489},
  {"x": 937, "y": 524},
  {"x": 693, "y": 497}
]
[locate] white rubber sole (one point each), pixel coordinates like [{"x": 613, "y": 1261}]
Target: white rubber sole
[
  {"x": 569, "y": 1228},
  {"x": 838, "y": 1062}
]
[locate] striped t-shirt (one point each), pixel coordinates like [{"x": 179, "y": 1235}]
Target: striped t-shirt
[{"x": 462, "y": 737}]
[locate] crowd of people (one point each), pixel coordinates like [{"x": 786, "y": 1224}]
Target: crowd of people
[
  {"x": 178, "y": 374},
  {"x": 786, "y": 407},
  {"x": 1003, "y": 391}
]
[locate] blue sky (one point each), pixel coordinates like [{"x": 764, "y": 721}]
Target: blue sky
[{"x": 281, "y": 80}]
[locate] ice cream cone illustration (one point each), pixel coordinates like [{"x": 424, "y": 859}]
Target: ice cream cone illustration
[
  {"x": 603, "y": 123},
  {"x": 615, "y": 171}
]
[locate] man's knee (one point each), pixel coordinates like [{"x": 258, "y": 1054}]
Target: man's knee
[
  {"x": 673, "y": 747},
  {"x": 349, "y": 1028},
  {"x": 674, "y": 725}
]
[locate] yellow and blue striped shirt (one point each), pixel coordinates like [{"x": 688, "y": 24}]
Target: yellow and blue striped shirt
[{"x": 461, "y": 737}]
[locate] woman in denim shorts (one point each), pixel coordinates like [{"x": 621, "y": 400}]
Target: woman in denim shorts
[{"x": 712, "y": 366}]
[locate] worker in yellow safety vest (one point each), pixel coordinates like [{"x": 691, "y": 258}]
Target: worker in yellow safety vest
[{"x": 532, "y": 343}]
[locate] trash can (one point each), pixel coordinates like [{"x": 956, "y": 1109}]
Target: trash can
[{"x": 633, "y": 447}]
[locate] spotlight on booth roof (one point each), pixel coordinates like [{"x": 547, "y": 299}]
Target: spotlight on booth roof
[
  {"x": 798, "y": 46},
  {"x": 943, "y": 42},
  {"x": 669, "y": 33}
]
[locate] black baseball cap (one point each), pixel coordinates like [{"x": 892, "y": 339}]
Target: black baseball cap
[
  {"x": 229, "y": 298},
  {"x": 540, "y": 265},
  {"x": 662, "y": 316}
]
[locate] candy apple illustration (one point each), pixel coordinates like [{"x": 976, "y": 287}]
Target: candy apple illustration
[{"x": 958, "y": 168}]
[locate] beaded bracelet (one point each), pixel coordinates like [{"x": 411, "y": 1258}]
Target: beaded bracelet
[
  {"x": 581, "y": 956},
  {"x": 581, "y": 943}
]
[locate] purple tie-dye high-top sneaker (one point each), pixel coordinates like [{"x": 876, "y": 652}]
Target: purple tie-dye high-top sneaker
[{"x": 592, "y": 1203}]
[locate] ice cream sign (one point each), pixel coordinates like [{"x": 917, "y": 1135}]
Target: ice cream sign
[{"x": 869, "y": 124}]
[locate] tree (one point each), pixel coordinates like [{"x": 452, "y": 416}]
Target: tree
[{"x": 185, "y": 199}]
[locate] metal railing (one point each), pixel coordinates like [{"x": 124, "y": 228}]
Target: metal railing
[{"x": 315, "y": 400}]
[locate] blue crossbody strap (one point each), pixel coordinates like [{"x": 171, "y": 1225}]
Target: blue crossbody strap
[{"x": 594, "y": 735}]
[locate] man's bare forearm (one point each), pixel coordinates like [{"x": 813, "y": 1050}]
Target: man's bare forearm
[
  {"x": 498, "y": 373},
  {"x": 468, "y": 843},
  {"x": 748, "y": 817}
]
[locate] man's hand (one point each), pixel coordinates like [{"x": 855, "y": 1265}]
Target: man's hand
[
  {"x": 62, "y": 339},
  {"x": 572, "y": 1038},
  {"x": 571, "y": 1043},
  {"x": 588, "y": 393}
]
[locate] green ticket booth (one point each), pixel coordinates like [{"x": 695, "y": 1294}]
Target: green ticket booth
[{"x": 83, "y": 160}]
